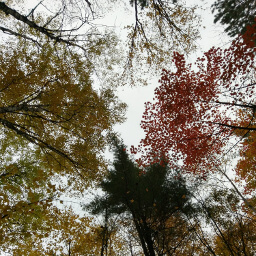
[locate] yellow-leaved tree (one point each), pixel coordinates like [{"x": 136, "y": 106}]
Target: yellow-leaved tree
[
  {"x": 67, "y": 233},
  {"x": 49, "y": 100},
  {"x": 53, "y": 123}
]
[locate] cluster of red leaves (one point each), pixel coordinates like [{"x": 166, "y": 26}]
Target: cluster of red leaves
[
  {"x": 249, "y": 36},
  {"x": 193, "y": 111}
]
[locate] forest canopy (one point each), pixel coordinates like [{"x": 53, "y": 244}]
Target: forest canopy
[{"x": 188, "y": 188}]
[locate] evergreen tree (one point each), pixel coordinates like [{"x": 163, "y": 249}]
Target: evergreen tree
[
  {"x": 236, "y": 14},
  {"x": 156, "y": 198}
]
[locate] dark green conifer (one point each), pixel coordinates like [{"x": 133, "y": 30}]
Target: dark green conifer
[
  {"x": 151, "y": 196},
  {"x": 235, "y": 14}
]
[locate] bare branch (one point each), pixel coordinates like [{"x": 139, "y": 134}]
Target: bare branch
[
  {"x": 252, "y": 106},
  {"x": 11, "y": 32},
  {"x": 236, "y": 127},
  {"x": 32, "y": 11},
  {"x": 9, "y": 11}
]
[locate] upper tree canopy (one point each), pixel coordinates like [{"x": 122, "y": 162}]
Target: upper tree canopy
[
  {"x": 76, "y": 24},
  {"x": 235, "y": 14},
  {"x": 49, "y": 101},
  {"x": 194, "y": 113},
  {"x": 46, "y": 75},
  {"x": 56, "y": 97}
]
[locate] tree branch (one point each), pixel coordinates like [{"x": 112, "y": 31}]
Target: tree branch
[
  {"x": 11, "y": 32},
  {"x": 236, "y": 189},
  {"x": 36, "y": 140},
  {"x": 25, "y": 107},
  {"x": 9, "y": 11},
  {"x": 252, "y": 106},
  {"x": 236, "y": 127}
]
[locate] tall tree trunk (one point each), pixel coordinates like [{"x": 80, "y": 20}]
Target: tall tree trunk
[
  {"x": 149, "y": 241},
  {"x": 142, "y": 238}
]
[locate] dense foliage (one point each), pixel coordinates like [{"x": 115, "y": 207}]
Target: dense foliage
[
  {"x": 191, "y": 189},
  {"x": 195, "y": 113},
  {"x": 156, "y": 198},
  {"x": 236, "y": 15}
]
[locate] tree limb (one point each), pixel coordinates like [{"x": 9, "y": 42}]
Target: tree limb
[
  {"x": 11, "y": 32},
  {"x": 36, "y": 140},
  {"x": 9, "y": 11},
  {"x": 236, "y": 127}
]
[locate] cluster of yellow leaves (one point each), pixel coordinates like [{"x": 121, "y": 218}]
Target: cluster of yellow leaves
[
  {"x": 26, "y": 191},
  {"x": 70, "y": 234},
  {"x": 239, "y": 239},
  {"x": 53, "y": 122},
  {"x": 50, "y": 101}
]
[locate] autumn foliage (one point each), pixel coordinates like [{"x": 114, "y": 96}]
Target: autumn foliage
[
  {"x": 58, "y": 108},
  {"x": 245, "y": 168},
  {"x": 194, "y": 111},
  {"x": 50, "y": 102}
]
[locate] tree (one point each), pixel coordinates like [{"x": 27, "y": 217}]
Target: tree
[
  {"x": 53, "y": 124},
  {"x": 81, "y": 236},
  {"x": 32, "y": 117},
  {"x": 64, "y": 26},
  {"x": 60, "y": 25},
  {"x": 27, "y": 190},
  {"x": 237, "y": 15},
  {"x": 53, "y": 121},
  {"x": 75, "y": 25},
  {"x": 194, "y": 119},
  {"x": 156, "y": 198},
  {"x": 49, "y": 101},
  {"x": 240, "y": 239},
  {"x": 245, "y": 167},
  {"x": 175, "y": 22},
  {"x": 233, "y": 228},
  {"x": 194, "y": 113},
  {"x": 68, "y": 234}
]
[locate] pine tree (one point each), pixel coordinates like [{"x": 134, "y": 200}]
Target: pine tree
[{"x": 155, "y": 197}]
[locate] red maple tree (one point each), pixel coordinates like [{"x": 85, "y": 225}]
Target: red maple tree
[{"x": 194, "y": 113}]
